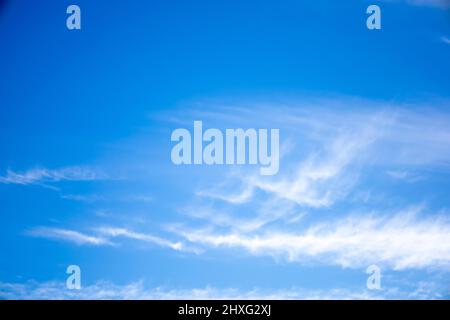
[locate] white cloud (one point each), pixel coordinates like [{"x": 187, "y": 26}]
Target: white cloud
[
  {"x": 401, "y": 241},
  {"x": 75, "y": 237},
  {"x": 103, "y": 290},
  {"x": 43, "y": 175},
  {"x": 317, "y": 181},
  {"x": 89, "y": 198},
  {"x": 334, "y": 147},
  {"x": 122, "y": 232},
  {"x": 265, "y": 212},
  {"x": 237, "y": 198},
  {"x": 322, "y": 178},
  {"x": 104, "y": 236}
]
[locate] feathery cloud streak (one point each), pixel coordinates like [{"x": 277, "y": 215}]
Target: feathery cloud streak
[{"x": 43, "y": 175}]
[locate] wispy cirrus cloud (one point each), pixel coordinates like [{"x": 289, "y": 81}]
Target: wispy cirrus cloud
[
  {"x": 122, "y": 232},
  {"x": 43, "y": 175},
  {"x": 72, "y": 236},
  {"x": 400, "y": 241},
  {"x": 90, "y": 198},
  {"x": 445, "y": 39},
  {"x": 323, "y": 177},
  {"x": 335, "y": 151},
  {"x": 103, "y": 236},
  {"x": 105, "y": 290}
]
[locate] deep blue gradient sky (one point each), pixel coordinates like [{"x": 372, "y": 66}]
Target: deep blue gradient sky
[{"x": 86, "y": 118}]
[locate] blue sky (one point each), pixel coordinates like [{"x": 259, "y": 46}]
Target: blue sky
[{"x": 86, "y": 176}]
